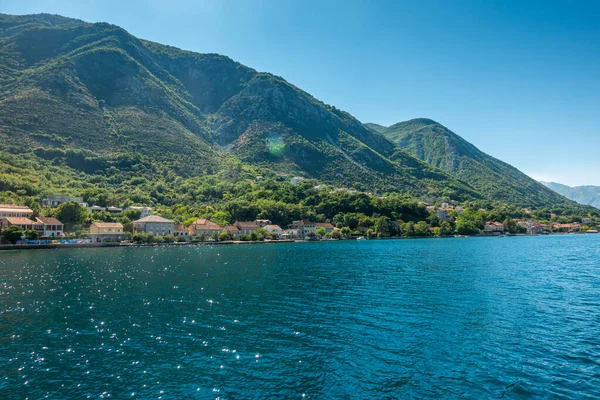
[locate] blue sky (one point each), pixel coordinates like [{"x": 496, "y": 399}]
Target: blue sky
[{"x": 520, "y": 80}]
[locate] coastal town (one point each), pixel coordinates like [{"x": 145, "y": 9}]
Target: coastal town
[{"x": 21, "y": 225}]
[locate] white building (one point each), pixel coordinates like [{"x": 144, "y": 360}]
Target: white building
[
  {"x": 11, "y": 210},
  {"x": 276, "y": 229},
  {"x": 154, "y": 224},
  {"x": 50, "y": 226},
  {"x": 304, "y": 227},
  {"x": 56, "y": 200},
  {"x": 296, "y": 180}
]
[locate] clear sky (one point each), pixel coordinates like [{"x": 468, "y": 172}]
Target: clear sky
[{"x": 519, "y": 79}]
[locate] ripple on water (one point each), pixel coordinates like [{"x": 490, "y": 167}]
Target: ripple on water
[{"x": 474, "y": 318}]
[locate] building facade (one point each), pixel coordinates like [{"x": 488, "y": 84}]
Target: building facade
[
  {"x": 107, "y": 232},
  {"x": 155, "y": 225},
  {"x": 56, "y": 200},
  {"x": 22, "y": 222},
  {"x": 246, "y": 227},
  {"x": 11, "y": 210},
  {"x": 204, "y": 227},
  {"x": 274, "y": 229},
  {"x": 304, "y": 227},
  {"x": 50, "y": 227}
]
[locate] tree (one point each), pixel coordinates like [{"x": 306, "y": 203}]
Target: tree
[
  {"x": 446, "y": 229},
  {"x": 223, "y": 236},
  {"x": 346, "y": 232},
  {"x": 12, "y": 234},
  {"x": 71, "y": 213},
  {"x": 169, "y": 239},
  {"x": 321, "y": 231},
  {"x": 30, "y": 234},
  {"x": 422, "y": 228},
  {"x": 511, "y": 226},
  {"x": 253, "y": 236},
  {"x": 408, "y": 229},
  {"x": 383, "y": 227},
  {"x": 335, "y": 234}
]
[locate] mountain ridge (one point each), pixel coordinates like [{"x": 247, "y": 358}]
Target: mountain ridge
[
  {"x": 586, "y": 194},
  {"x": 104, "y": 105},
  {"x": 435, "y": 144}
]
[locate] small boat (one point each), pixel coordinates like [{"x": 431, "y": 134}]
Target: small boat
[{"x": 360, "y": 238}]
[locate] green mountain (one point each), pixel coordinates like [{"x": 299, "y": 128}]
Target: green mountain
[
  {"x": 442, "y": 148},
  {"x": 96, "y": 101},
  {"x": 589, "y": 195},
  {"x": 90, "y": 109},
  {"x": 375, "y": 127}
]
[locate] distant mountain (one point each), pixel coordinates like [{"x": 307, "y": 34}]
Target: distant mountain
[
  {"x": 442, "y": 148},
  {"x": 588, "y": 195}
]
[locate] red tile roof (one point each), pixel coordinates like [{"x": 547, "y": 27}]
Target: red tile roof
[
  {"x": 246, "y": 224},
  {"x": 324, "y": 225},
  {"x": 107, "y": 224},
  {"x": 20, "y": 221},
  {"x": 48, "y": 221},
  {"x": 15, "y": 208},
  {"x": 274, "y": 227},
  {"x": 204, "y": 224}
]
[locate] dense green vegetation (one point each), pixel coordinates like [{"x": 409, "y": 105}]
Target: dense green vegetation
[
  {"x": 442, "y": 148},
  {"x": 89, "y": 110}
]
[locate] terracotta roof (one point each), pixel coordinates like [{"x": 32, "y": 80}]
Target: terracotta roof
[
  {"x": 231, "y": 228},
  {"x": 49, "y": 221},
  {"x": 273, "y": 227},
  {"x": 20, "y": 221},
  {"x": 204, "y": 224},
  {"x": 15, "y": 208},
  {"x": 152, "y": 218},
  {"x": 107, "y": 224},
  {"x": 179, "y": 228},
  {"x": 246, "y": 224},
  {"x": 324, "y": 225}
]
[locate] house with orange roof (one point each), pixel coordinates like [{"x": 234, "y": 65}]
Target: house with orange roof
[
  {"x": 246, "y": 227},
  {"x": 494, "y": 227},
  {"x": 326, "y": 225},
  {"x": 22, "y": 222},
  {"x": 203, "y": 226},
  {"x": 181, "y": 233},
  {"x": 50, "y": 226},
  {"x": 275, "y": 229},
  {"x": 107, "y": 232}
]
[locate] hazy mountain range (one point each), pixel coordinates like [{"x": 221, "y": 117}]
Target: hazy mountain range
[
  {"x": 81, "y": 103},
  {"x": 589, "y": 195}
]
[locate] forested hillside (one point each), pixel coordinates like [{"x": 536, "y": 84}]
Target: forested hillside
[
  {"x": 442, "y": 148},
  {"x": 89, "y": 109}
]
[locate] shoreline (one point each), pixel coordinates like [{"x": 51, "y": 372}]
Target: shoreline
[{"x": 7, "y": 247}]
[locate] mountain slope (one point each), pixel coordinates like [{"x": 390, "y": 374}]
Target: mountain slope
[
  {"x": 67, "y": 86},
  {"x": 589, "y": 195},
  {"x": 442, "y": 148}
]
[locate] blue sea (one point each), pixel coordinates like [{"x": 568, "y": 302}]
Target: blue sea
[{"x": 513, "y": 317}]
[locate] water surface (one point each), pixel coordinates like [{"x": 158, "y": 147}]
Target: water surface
[{"x": 474, "y": 318}]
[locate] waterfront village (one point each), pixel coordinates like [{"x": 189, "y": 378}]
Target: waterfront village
[{"x": 21, "y": 225}]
